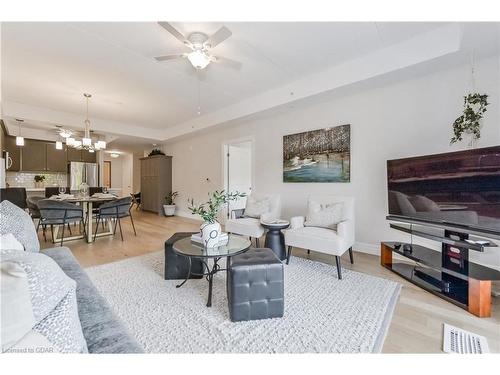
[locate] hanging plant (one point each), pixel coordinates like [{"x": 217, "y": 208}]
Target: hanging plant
[{"x": 468, "y": 123}]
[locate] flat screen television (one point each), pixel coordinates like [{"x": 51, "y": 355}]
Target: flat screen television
[{"x": 456, "y": 190}]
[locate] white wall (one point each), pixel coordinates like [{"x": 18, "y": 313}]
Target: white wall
[
  {"x": 116, "y": 171},
  {"x": 402, "y": 118}
]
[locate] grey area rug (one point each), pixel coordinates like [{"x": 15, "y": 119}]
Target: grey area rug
[{"x": 322, "y": 313}]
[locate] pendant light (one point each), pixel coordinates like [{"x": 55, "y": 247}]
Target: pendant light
[
  {"x": 19, "y": 138},
  {"x": 86, "y": 140}
]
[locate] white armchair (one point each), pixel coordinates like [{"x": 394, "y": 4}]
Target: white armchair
[
  {"x": 324, "y": 240},
  {"x": 246, "y": 222}
]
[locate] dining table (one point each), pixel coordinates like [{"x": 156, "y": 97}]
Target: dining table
[{"x": 87, "y": 204}]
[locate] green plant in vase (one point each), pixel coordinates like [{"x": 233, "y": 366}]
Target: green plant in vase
[
  {"x": 39, "y": 179},
  {"x": 169, "y": 206},
  {"x": 211, "y": 229}
]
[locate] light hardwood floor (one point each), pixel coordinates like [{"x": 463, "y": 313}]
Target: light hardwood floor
[{"x": 416, "y": 326}]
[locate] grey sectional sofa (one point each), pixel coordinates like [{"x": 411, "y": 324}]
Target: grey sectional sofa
[{"x": 103, "y": 331}]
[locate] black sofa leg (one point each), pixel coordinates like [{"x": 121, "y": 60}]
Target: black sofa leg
[
  {"x": 339, "y": 267},
  {"x": 288, "y": 255},
  {"x": 257, "y": 242},
  {"x": 350, "y": 255},
  {"x": 308, "y": 252}
]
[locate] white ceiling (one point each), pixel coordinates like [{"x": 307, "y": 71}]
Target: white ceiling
[{"x": 49, "y": 65}]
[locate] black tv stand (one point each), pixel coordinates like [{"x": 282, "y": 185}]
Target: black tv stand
[{"x": 449, "y": 274}]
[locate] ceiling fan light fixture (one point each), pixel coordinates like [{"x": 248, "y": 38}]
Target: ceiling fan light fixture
[
  {"x": 199, "y": 59},
  {"x": 65, "y": 133}
]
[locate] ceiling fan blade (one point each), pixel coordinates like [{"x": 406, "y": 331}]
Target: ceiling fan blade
[
  {"x": 220, "y": 35},
  {"x": 228, "y": 62},
  {"x": 172, "y": 30},
  {"x": 169, "y": 57}
]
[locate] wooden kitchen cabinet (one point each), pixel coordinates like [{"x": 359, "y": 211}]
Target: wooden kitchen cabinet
[
  {"x": 14, "y": 154},
  {"x": 74, "y": 154},
  {"x": 81, "y": 155},
  {"x": 88, "y": 157},
  {"x": 56, "y": 159},
  {"x": 34, "y": 155}
]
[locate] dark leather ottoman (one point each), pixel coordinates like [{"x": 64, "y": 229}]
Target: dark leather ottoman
[
  {"x": 255, "y": 287},
  {"x": 177, "y": 266}
]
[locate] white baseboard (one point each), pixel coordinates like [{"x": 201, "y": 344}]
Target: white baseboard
[{"x": 367, "y": 248}]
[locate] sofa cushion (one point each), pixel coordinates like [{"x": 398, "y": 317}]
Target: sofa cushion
[
  {"x": 102, "y": 330},
  {"x": 16, "y": 310},
  {"x": 53, "y": 300},
  {"x": 16, "y": 221},
  {"x": 318, "y": 239},
  {"x": 323, "y": 215},
  {"x": 246, "y": 226},
  {"x": 256, "y": 207},
  {"x": 9, "y": 241}
]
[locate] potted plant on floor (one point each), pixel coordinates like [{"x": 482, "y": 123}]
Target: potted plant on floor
[
  {"x": 211, "y": 229},
  {"x": 169, "y": 206},
  {"x": 39, "y": 178}
]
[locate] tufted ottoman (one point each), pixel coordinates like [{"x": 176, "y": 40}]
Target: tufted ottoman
[
  {"x": 255, "y": 288},
  {"x": 177, "y": 266}
]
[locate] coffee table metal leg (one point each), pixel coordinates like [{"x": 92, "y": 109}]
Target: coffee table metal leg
[
  {"x": 210, "y": 278},
  {"x": 188, "y": 274}
]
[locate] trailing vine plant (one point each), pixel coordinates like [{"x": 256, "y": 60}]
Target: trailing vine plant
[{"x": 474, "y": 109}]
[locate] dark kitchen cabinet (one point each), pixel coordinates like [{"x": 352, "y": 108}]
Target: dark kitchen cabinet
[
  {"x": 88, "y": 157},
  {"x": 74, "y": 154},
  {"x": 81, "y": 155},
  {"x": 34, "y": 155},
  {"x": 56, "y": 159},
  {"x": 14, "y": 161}
]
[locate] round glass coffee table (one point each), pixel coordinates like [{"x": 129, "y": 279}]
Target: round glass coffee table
[{"x": 190, "y": 249}]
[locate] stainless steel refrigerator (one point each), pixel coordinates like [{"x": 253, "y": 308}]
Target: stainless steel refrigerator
[{"x": 80, "y": 172}]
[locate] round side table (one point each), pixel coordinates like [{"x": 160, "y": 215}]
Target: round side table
[{"x": 275, "y": 240}]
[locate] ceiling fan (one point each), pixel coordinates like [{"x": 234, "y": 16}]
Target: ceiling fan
[{"x": 200, "y": 45}]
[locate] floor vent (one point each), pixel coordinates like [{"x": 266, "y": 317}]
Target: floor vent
[{"x": 459, "y": 341}]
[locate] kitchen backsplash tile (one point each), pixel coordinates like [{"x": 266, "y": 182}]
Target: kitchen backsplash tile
[{"x": 27, "y": 179}]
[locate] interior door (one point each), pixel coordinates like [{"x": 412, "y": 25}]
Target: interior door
[{"x": 238, "y": 172}]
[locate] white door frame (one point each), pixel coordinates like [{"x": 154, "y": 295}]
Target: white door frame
[{"x": 229, "y": 142}]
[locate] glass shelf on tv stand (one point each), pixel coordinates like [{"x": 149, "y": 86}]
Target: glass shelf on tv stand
[
  {"x": 433, "y": 259},
  {"x": 437, "y": 234}
]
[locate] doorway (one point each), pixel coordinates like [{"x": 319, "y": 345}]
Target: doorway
[
  {"x": 106, "y": 174},
  {"x": 238, "y": 171}
]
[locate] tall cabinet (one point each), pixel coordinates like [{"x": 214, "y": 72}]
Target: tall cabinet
[{"x": 156, "y": 182}]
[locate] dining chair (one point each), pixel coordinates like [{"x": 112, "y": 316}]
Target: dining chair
[
  {"x": 136, "y": 199},
  {"x": 117, "y": 210},
  {"x": 16, "y": 196},
  {"x": 34, "y": 212},
  {"x": 54, "y": 190},
  {"x": 54, "y": 212}
]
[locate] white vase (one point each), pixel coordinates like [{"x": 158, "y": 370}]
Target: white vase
[
  {"x": 169, "y": 209},
  {"x": 210, "y": 233}
]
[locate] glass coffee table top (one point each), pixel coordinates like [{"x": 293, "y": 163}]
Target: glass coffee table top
[{"x": 235, "y": 245}]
